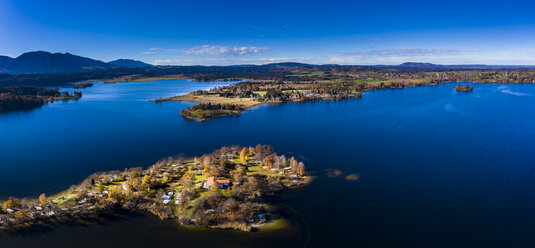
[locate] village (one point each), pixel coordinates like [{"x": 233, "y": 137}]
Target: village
[{"x": 222, "y": 189}]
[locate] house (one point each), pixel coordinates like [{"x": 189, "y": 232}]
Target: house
[
  {"x": 223, "y": 183},
  {"x": 170, "y": 193},
  {"x": 166, "y": 197},
  {"x": 38, "y": 208},
  {"x": 166, "y": 201},
  {"x": 9, "y": 210},
  {"x": 209, "y": 211}
]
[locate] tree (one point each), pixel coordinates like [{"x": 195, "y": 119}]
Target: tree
[
  {"x": 12, "y": 202},
  {"x": 42, "y": 199},
  {"x": 269, "y": 149},
  {"x": 238, "y": 175},
  {"x": 268, "y": 161},
  {"x": 258, "y": 149},
  {"x": 230, "y": 206},
  {"x": 100, "y": 187},
  {"x": 243, "y": 156},
  {"x": 206, "y": 160},
  {"x": 214, "y": 187},
  {"x": 293, "y": 165},
  {"x": 301, "y": 169},
  {"x": 251, "y": 151},
  {"x": 283, "y": 160},
  {"x": 214, "y": 172},
  {"x": 251, "y": 185}
]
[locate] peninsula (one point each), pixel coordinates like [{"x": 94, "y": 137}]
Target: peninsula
[
  {"x": 222, "y": 189},
  {"x": 28, "y": 97}
]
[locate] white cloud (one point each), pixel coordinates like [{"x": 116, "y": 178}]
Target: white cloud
[
  {"x": 227, "y": 61},
  {"x": 152, "y": 50},
  {"x": 190, "y": 61},
  {"x": 224, "y": 50}
]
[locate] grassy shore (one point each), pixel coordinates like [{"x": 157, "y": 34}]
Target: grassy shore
[{"x": 215, "y": 99}]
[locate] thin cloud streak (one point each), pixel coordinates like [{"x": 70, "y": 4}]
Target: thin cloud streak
[
  {"x": 391, "y": 56},
  {"x": 224, "y": 50}
]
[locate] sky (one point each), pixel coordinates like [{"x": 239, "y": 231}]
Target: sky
[{"x": 199, "y": 32}]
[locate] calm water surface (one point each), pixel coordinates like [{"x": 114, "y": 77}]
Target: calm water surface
[{"x": 437, "y": 168}]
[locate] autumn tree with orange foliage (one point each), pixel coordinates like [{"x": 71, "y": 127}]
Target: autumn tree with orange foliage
[
  {"x": 42, "y": 199},
  {"x": 243, "y": 156}
]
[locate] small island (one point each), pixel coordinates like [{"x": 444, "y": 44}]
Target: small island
[
  {"x": 463, "y": 88},
  {"x": 206, "y": 111},
  {"x": 223, "y": 189},
  {"x": 82, "y": 85},
  {"x": 28, "y": 97}
]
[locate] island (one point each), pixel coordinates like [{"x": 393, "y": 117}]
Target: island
[
  {"x": 463, "y": 88},
  {"x": 82, "y": 85},
  {"x": 28, "y": 97},
  {"x": 206, "y": 111},
  {"x": 222, "y": 189}
]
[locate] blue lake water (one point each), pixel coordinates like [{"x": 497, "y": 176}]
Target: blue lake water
[{"x": 437, "y": 168}]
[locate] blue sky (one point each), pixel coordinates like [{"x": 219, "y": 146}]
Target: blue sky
[{"x": 259, "y": 32}]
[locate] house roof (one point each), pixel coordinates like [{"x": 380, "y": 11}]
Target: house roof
[
  {"x": 223, "y": 181},
  {"x": 211, "y": 180}
]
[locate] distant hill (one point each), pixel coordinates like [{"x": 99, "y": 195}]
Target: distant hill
[
  {"x": 45, "y": 62},
  {"x": 5, "y": 62},
  {"x": 418, "y": 65},
  {"x": 129, "y": 62}
]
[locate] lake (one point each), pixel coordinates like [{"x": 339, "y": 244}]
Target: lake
[{"x": 437, "y": 168}]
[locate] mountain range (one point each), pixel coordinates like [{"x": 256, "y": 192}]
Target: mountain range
[
  {"x": 46, "y": 62},
  {"x": 41, "y": 62}
]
